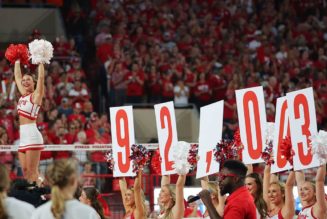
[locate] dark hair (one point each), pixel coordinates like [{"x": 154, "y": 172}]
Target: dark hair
[
  {"x": 236, "y": 167},
  {"x": 259, "y": 201},
  {"x": 92, "y": 194},
  {"x": 4, "y": 185}
]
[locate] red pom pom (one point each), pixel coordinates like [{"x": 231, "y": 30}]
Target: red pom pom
[
  {"x": 140, "y": 157},
  {"x": 267, "y": 153},
  {"x": 286, "y": 149},
  {"x": 238, "y": 143},
  {"x": 156, "y": 162},
  {"x": 193, "y": 153},
  {"x": 17, "y": 52}
]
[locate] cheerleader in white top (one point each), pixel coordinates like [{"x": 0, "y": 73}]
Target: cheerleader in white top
[
  {"x": 63, "y": 178},
  {"x": 10, "y": 207},
  {"x": 31, "y": 141},
  {"x": 312, "y": 195}
]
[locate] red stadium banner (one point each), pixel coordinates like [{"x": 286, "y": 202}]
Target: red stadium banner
[
  {"x": 252, "y": 121},
  {"x": 303, "y": 125},
  {"x": 167, "y": 134},
  {"x": 122, "y": 128},
  {"x": 211, "y": 128}
]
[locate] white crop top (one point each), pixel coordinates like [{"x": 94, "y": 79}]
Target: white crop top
[{"x": 26, "y": 108}]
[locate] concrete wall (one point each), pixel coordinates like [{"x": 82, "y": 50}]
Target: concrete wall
[
  {"x": 187, "y": 121},
  {"x": 16, "y": 24}
]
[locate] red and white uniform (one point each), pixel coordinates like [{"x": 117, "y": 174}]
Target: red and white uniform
[
  {"x": 26, "y": 108},
  {"x": 30, "y": 137},
  {"x": 306, "y": 213}
]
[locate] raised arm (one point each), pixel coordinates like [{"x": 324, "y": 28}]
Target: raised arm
[
  {"x": 165, "y": 180},
  {"x": 18, "y": 77},
  {"x": 250, "y": 169},
  {"x": 288, "y": 209},
  {"x": 221, "y": 203},
  {"x": 179, "y": 208},
  {"x": 266, "y": 183},
  {"x": 39, "y": 91},
  {"x": 320, "y": 208},
  {"x": 204, "y": 182},
  {"x": 123, "y": 189},
  {"x": 139, "y": 209},
  {"x": 300, "y": 179}
]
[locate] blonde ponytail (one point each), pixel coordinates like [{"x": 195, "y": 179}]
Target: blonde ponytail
[
  {"x": 58, "y": 202},
  {"x": 60, "y": 175}
]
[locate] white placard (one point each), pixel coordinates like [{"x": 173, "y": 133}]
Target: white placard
[
  {"x": 123, "y": 137},
  {"x": 211, "y": 127},
  {"x": 252, "y": 121},
  {"x": 167, "y": 135},
  {"x": 303, "y": 123},
  {"x": 281, "y": 130}
]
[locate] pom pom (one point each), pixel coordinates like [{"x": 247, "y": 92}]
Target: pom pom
[
  {"x": 140, "y": 157},
  {"x": 286, "y": 149},
  {"x": 41, "y": 51},
  {"x": 266, "y": 154},
  {"x": 156, "y": 162},
  {"x": 319, "y": 145},
  {"x": 238, "y": 145},
  {"x": 193, "y": 155},
  {"x": 180, "y": 158},
  {"x": 269, "y": 133},
  {"x": 225, "y": 150},
  {"x": 17, "y": 52},
  {"x": 110, "y": 159}
]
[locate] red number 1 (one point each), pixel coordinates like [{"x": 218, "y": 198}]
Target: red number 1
[
  {"x": 208, "y": 160},
  {"x": 123, "y": 141}
]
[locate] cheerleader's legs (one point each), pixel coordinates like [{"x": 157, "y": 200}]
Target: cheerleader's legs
[{"x": 29, "y": 162}]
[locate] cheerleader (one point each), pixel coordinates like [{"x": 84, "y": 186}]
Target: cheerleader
[
  {"x": 171, "y": 198},
  {"x": 133, "y": 198},
  {"x": 312, "y": 195},
  {"x": 31, "y": 140},
  {"x": 279, "y": 197}
]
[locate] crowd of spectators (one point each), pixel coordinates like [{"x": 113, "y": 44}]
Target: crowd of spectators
[{"x": 192, "y": 51}]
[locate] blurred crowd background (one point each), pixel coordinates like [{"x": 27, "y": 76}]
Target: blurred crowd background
[{"x": 118, "y": 52}]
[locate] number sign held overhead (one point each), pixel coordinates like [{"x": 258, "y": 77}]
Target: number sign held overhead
[
  {"x": 303, "y": 123},
  {"x": 167, "y": 134},
  {"x": 252, "y": 121},
  {"x": 122, "y": 129},
  {"x": 211, "y": 126}
]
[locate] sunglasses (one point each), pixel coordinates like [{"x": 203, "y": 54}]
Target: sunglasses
[{"x": 221, "y": 176}]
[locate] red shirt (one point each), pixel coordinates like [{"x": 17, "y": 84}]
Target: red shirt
[{"x": 240, "y": 204}]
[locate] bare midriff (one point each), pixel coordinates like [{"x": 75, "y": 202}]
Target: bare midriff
[{"x": 25, "y": 121}]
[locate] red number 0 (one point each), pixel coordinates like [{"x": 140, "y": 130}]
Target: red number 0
[
  {"x": 281, "y": 161},
  {"x": 302, "y": 100},
  {"x": 208, "y": 160},
  {"x": 250, "y": 96},
  {"x": 164, "y": 112},
  {"x": 123, "y": 141}
]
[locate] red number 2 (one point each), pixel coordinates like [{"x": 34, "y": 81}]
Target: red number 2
[{"x": 164, "y": 113}]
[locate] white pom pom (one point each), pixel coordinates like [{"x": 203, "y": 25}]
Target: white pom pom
[
  {"x": 41, "y": 51},
  {"x": 180, "y": 155},
  {"x": 270, "y": 127},
  {"x": 319, "y": 145}
]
